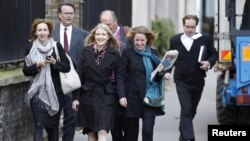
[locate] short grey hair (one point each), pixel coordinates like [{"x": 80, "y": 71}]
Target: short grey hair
[{"x": 110, "y": 12}]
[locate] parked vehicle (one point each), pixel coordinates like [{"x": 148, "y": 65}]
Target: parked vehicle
[{"x": 232, "y": 39}]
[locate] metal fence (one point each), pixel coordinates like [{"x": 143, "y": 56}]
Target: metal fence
[{"x": 16, "y": 17}]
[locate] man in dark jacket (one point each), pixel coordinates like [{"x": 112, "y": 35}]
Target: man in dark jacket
[
  {"x": 72, "y": 38},
  {"x": 189, "y": 72}
]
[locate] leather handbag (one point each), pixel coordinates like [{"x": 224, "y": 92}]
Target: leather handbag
[{"x": 70, "y": 81}]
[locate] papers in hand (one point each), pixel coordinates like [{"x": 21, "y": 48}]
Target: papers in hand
[
  {"x": 167, "y": 62},
  {"x": 202, "y": 54}
]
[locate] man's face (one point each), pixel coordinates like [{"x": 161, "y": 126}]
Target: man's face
[
  {"x": 67, "y": 15},
  {"x": 189, "y": 27},
  {"x": 112, "y": 24}
]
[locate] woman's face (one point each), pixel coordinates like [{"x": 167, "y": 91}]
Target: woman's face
[
  {"x": 140, "y": 41},
  {"x": 101, "y": 37},
  {"x": 42, "y": 32}
]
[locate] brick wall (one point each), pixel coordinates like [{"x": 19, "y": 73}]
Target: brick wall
[{"x": 51, "y": 10}]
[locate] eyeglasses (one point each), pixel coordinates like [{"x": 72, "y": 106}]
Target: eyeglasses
[
  {"x": 68, "y": 13},
  {"x": 191, "y": 27}
]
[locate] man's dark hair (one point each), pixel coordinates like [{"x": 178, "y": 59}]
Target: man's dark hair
[
  {"x": 190, "y": 17},
  {"x": 59, "y": 10}
]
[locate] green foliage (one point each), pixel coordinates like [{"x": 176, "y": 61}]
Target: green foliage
[{"x": 164, "y": 29}]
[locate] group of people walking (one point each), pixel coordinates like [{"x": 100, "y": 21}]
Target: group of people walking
[{"x": 113, "y": 64}]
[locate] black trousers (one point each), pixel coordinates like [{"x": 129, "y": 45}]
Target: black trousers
[
  {"x": 189, "y": 95},
  {"x": 69, "y": 117},
  {"x": 119, "y": 130},
  {"x": 43, "y": 120},
  {"x": 132, "y": 128}
]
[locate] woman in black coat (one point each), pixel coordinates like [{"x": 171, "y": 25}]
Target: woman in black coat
[
  {"x": 133, "y": 79},
  {"x": 45, "y": 94},
  {"x": 94, "y": 101}
]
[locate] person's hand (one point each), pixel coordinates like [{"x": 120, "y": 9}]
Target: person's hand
[
  {"x": 160, "y": 69},
  {"x": 204, "y": 65},
  {"x": 75, "y": 105},
  {"x": 171, "y": 54},
  {"x": 50, "y": 60},
  {"x": 123, "y": 102},
  {"x": 40, "y": 63},
  {"x": 168, "y": 76}
]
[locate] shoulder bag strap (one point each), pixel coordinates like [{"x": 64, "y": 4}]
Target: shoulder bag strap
[{"x": 56, "y": 51}]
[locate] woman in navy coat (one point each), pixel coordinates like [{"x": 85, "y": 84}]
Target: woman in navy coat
[
  {"x": 132, "y": 84},
  {"x": 95, "y": 100}
]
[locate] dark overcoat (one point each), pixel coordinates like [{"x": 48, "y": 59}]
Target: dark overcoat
[
  {"x": 96, "y": 96},
  {"x": 131, "y": 84},
  {"x": 77, "y": 38}
]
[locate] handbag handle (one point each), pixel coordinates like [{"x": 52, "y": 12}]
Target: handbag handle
[{"x": 56, "y": 51}]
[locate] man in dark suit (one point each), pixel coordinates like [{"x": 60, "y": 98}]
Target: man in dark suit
[
  {"x": 72, "y": 39},
  {"x": 189, "y": 72}
]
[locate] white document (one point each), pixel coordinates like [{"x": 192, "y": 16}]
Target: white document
[
  {"x": 167, "y": 61},
  {"x": 200, "y": 53}
]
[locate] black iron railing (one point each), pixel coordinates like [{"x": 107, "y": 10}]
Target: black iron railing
[{"x": 16, "y": 18}]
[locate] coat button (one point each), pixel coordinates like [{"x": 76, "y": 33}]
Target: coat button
[
  {"x": 136, "y": 74},
  {"x": 136, "y": 63}
]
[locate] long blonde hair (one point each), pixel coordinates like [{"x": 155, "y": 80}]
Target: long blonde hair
[{"x": 90, "y": 39}]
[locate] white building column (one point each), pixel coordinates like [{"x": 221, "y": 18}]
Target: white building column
[{"x": 141, "y": 13}]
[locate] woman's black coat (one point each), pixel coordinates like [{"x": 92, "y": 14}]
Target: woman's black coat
[
  {"x": 96, "y": 96},
  {"x": 131, "y": 83}
]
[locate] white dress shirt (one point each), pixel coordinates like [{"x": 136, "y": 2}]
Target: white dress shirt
[
  {"x": 188, "y": 41},
  {"x": 68, "y": 32}
]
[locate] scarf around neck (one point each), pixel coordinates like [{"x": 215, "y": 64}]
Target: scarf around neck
[
  {"x": 42, "y": 84},
  {"x": 147, "y": 56}
]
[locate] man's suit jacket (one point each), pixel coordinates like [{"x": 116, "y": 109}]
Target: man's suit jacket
[
  {"x": 77, "y": 41},
  {"x": 187, "y": 65}
]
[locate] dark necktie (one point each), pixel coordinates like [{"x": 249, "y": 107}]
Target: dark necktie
[{"x": 66, "y": 44}]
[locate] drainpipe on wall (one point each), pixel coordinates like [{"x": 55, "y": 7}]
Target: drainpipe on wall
[{"x": 81, "y": 13}]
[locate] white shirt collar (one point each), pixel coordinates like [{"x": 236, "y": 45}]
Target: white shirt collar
[
  {"x": 187, "y": 41},
  {"x": 69, "y": 28},
  {"x": 196, "y": 36},
  {"x": 68, "y": 31}
]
